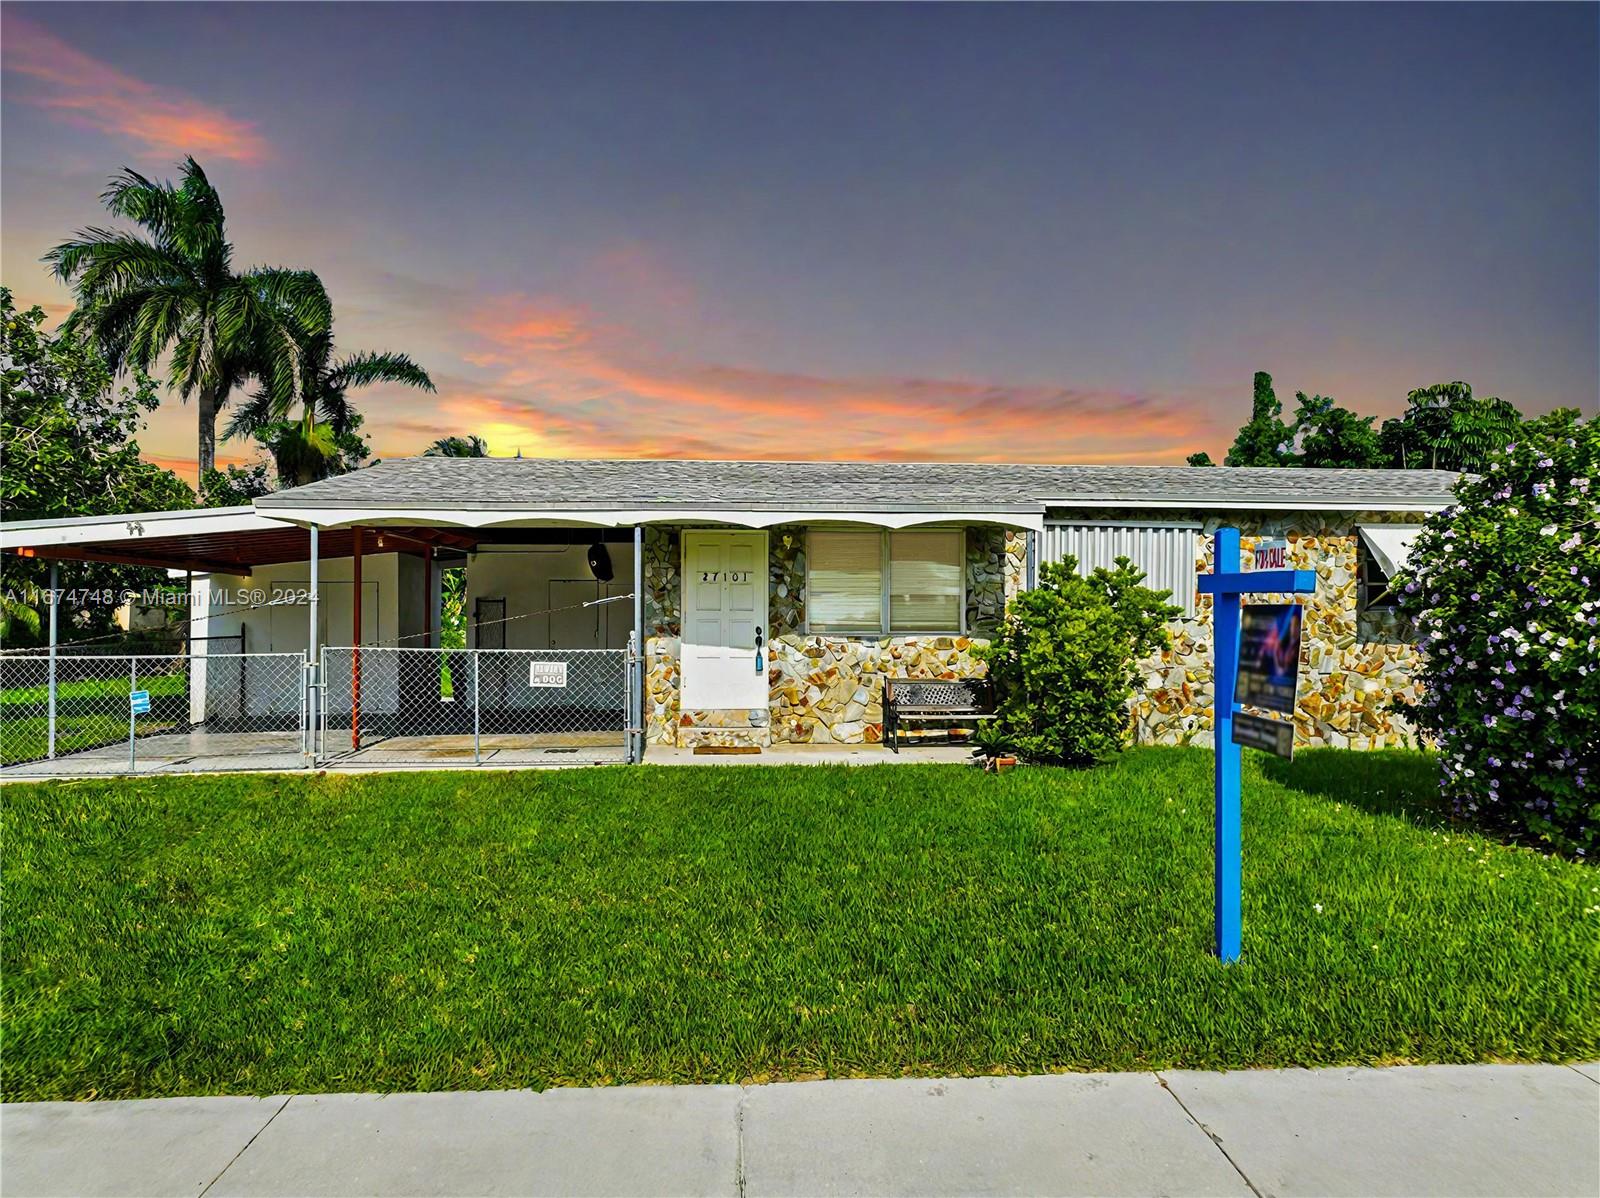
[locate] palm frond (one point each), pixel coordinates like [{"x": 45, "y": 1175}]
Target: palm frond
[
  {"x": 158, "y": 207},
  {"x": 187, "y": 368},
  {"x": 363, "y": 369},
  {"x": 154, "y": 323},
  {"x": 299, "y": 293},
  {"x": 99, "y": 261},
  {"x": 252, "y": 417}
]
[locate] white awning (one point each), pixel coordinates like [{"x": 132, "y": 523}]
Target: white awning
[{"x": 1390, "y": 544}]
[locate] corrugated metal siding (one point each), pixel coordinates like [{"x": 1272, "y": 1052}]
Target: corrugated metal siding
[{"x": 1165, "y": 552}]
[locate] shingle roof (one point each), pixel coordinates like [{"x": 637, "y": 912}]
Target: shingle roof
[{"x": 577, "y": 485}]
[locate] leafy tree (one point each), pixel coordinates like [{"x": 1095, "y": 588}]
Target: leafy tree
[
  {"x": 69, "y": 449},
  {"x": 1265, "y": 440},
  {"x": 1446, "y": 427},
  {"x": 175, "y": 290},
  {"x": 234, "y": 487},
  {"x": 1504, "y": 589},
  {"x": 1329, "y": 435},
  {"x": 1200, "y": 459},
  {"x": 1063, "y": 664},
  {"x": 457, "y": 447}
]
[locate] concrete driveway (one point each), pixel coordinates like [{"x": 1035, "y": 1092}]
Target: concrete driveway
[{"x": 1443, "y": 1129}]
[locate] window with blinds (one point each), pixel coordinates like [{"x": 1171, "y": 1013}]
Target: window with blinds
[
  {"x": 844, "y": 582},
  {"x": 846, "y": 574},
  {"x": 925, "y": 581}
]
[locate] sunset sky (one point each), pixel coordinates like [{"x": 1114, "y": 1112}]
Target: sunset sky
[{"x": 1009, "y": 233}]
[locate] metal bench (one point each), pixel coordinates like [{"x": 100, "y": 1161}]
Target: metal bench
[{"x": 912, "y": 700}]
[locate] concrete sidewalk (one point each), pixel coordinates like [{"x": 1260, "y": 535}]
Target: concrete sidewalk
[{"x": 1442, "y": 1129}]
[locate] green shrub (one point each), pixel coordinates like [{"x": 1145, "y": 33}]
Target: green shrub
[
  {"x": 1504, "y": 588},
  {"x": 1063, "y": 663}
]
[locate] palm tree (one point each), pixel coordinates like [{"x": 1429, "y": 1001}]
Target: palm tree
[
  {"x": 175, "y": 289},
  {"x": 308, "y": 448},
  {"x": 457, "y": 447}
]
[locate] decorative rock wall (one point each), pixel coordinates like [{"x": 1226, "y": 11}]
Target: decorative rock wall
[
  {"x": 829, "y": 689},
  {"x": 1356, "y": 670},
  {"x": 824, "y": 690},
  {"x": 663, "y": 597},
  {"x": 997, "y": 561}
]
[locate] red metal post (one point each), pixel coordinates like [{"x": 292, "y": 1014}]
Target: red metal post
[{"x": 427, "y": 596}]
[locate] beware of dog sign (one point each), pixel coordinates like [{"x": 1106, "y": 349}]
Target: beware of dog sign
[{"x": 547, "y": 673}]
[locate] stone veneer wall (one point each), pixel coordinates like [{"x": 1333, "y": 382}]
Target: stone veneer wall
[
  {"x": 1356, "y": 669},
  {"x": 823, "y": 689},
  {"x": 829, "y": 689},
  {"x": 663, "y": 620}
]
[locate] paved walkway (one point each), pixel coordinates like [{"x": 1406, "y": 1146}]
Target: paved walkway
[{"x": 1442, "y": 1129}]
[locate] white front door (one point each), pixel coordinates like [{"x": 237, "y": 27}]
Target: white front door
[{"x": 724, "y": 620}]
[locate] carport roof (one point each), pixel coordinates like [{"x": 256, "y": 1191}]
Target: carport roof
[{"x": 228, "y": 540}]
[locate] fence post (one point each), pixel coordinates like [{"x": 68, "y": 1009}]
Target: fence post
[
  {"x": 632, "y": 719},
  {"x": 55, "y": 594},
  {"x": 636, "y": 680},
  {"x": 476, "y": 758},
  {"x": 133, "y": 685}
]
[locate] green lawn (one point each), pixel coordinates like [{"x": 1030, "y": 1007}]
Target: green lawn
[
  {"x": 89, "y": 712},
  {"x": 243, "y": 934}
]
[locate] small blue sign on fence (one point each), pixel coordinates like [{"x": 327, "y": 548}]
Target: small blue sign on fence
[{"x": 139, "y": 702}]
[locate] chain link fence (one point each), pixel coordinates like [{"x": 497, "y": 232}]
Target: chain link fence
[
  {"x": 139, "y": 713},
  {"x": 497, "y": 707}
]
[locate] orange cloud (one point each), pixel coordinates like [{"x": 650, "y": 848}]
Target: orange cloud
[
  {"x": 565, "y": 384},
  {"x": 85, "y": 91},
  {"x": 550, "y": 378}
]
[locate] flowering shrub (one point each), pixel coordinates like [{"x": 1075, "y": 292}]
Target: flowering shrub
[
  {"x": 1504, "y": 589},
  {"x": 1063, "y": 663}
]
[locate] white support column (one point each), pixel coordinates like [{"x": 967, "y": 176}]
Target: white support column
[
  {"x": 314, "y": 654},
  {"x": 199, "y": 646},
  {"x": 55, "y": 596}
]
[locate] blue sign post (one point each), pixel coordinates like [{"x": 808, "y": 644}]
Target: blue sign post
[{"x": 1227, "y": 585}]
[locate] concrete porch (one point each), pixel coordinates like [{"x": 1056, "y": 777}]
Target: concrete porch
[{"x": 790, "y": 754}]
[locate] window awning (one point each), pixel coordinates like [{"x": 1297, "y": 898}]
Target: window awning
[{"x": 1390, "y": 544}]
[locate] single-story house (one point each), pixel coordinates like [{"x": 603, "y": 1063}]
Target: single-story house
[{"x": 771, "y": 599}]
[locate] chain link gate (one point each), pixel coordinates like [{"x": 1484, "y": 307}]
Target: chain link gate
[
  {"x": 499, "y": 707},
  {"x": 84, "y": 714}
]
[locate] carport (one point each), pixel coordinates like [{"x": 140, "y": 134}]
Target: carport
[{"x": 313, "y": 688}]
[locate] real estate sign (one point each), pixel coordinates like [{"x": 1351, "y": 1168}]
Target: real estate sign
[
  {"x": 1227, "y": 585},
  {"x": 1269, "y": 656}
]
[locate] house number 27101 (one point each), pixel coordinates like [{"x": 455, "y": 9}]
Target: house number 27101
[{"x": 725, "y": 576}]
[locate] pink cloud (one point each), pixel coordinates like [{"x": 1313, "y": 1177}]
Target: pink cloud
[
  {"x": 565, "y": 383},
  {"x": 84, "y": 91}
]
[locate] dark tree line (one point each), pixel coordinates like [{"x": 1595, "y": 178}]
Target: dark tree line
[{"x": 1444, "y": 427}]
